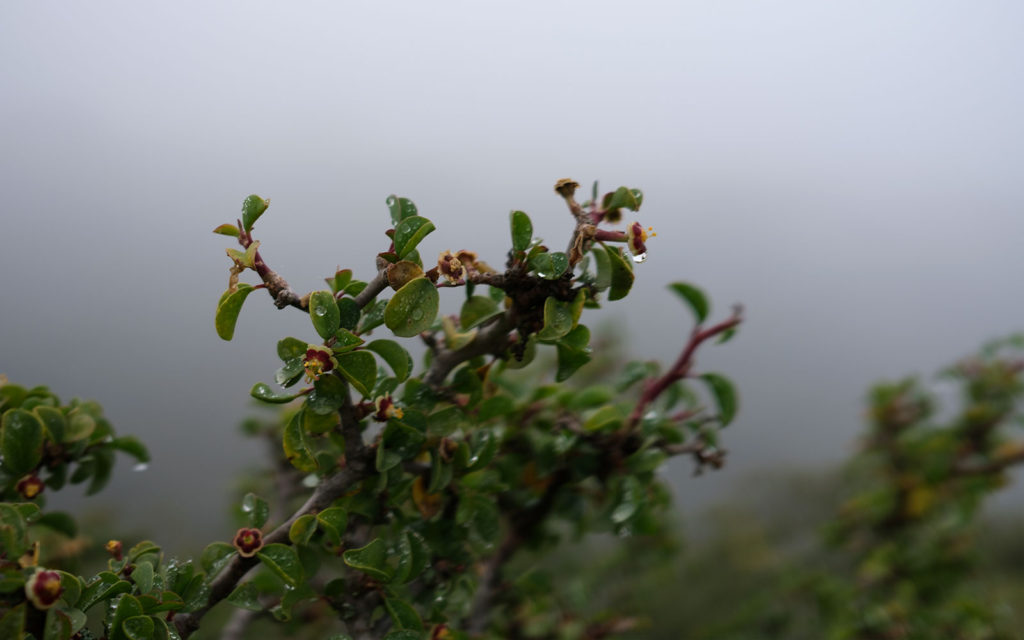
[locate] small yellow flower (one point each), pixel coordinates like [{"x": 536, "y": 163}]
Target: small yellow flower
[{"x": 43, "y": 589}]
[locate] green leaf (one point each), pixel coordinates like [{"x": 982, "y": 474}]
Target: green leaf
[
  {"x": 373, "y": 315},
  {"x": 54, "y": 421},
  {"x": 409, "y": 232},
  {"x": 573, "y": 352},
  {"x": 345, "y": 341},
  {"x": 621, "y": 274},
  {"x": 252, "y": 208},
  {"x": 302, "y": 530},
  {"x": 142, "y": 576},
  {"x": 256, "y": 510},
  {"x": 291, "y": 348},
  {"x": 327, "y": 396},
  {"x": 227, "y": 230},
  {"x": 215, "y": 556},
  {"x": 604, "y": 419},
  {"x": 371, "y": 560},
  {"x": 80, "y": 426},
  {"x": 261, "y": 391},
  {"x": 290, "y": 372},
  {"x": 323, "y": 311},
  {"x": 57, "y": 625},
  {"x": 228, "y": 309},
  {"x": 72, "y": 588},
  {"x": 316, "y": 423},
  {"x": 558, "y": 319},
  {"x": 360, "y": 369},
  {"x": 401, "y": 208},
  {"x": 694, "y": 297},
  {"x": 12, "y": 624},
  {"x": 413, "y": 308},
  {"x": 550, "y": 265},
  {"x": 725, "y": 395},
  {"x": 333, "y": 521},
  {"x": 404, "y": 634},
  {"x": 21, "y": 441},
  {"x": 341, "y": 279},
  {"x": 625, "y": 198},
  {"x": 397, "y": 358},
  {"x": 348, "y": 313},
  {"x": 522, "y": 230},
  {"x": 127, "y": 607},
  {"x": 602, "y": 268},
  {"x": 475, "y": 310},
  {"x": 282, "y": 560},
  {"x": 246, "y": 596},
  {"x": 414, "y": 555},
  {"x": 481, "y": 514},
  {"x": 398, "y": 442},
  {"x": 59, "y": 522},
  {"x": 296, "y": 449},
  {"x": 132, "y": 446},
  {"x": 403, "y": 615}
]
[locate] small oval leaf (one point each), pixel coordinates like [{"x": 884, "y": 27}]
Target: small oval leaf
[
  {"x": 252, "y": 208},
  {"x": 694, "y": 297},
  {"x": 228, "y": 309},
  {"x": 725, "y": 396},
  {"x": 413, "y": 308},
  {"x": 409, "y": 232},
  {"x": 323, "y": 311},
  {"x": 522, "y": 230}
]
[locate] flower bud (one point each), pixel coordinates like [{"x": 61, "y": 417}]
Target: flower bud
[
  {"x": 114, "y": 547},
  {"x": 30, "y": 486},
  {"x": 386, "y": 409},
  {"x": 248, "y": 541},
  {"x": 43, "y": 589}
]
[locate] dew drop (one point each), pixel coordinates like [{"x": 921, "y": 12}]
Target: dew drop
[
  {"x": 640, "y": 257},
  {"x": 320, "y": 311},
  {"x": 417, "y": 315},
  {"x": 142, "y": 466}
]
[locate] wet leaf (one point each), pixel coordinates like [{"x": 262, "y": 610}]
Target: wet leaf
[
  {"x": 403, "y": 615},
  {"x": 246, "y": 596},
  {"x": 333, "y": 521},
  {"x": 282, "y": 560},
  {"x": 252, "y": 208},
  {"x": 348, "y": 313},
  {"x": 413, "y": 308},
  {"x": 261, "y": 391},
  {"x": 624, "y": 198},
  {"x": 21, "y": 441},
  {"x": 371, "y": 560},
  {"x": 558, "y": 319},
  {"x": 296, "y": 449},
  {"x": 621, "y": 274},
  {"x": 550, "y": 264},
  {"x": 256, "y": 510},
  {"x": 323, "y": 311},
  {"x": 522, "y": 230},
  {"x": 397, "y": 358},
  {"x": 127, "y": 607},
  {"x": 341, "y": 279},
  {"x": 228, "y": 309},
  {"x": 475, "y": 310},
  {"x": 400, "y": 208},
  {"x": 409, "y": 232},
  {"x": 360, "y": 369}
]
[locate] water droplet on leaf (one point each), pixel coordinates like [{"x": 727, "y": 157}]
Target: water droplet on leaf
[{"x": 640, "y": 257}]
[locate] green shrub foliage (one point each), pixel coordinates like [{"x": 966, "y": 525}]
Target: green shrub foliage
[{"x": 403, "y": 492}]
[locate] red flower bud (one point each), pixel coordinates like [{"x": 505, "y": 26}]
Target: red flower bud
[
  {"x": 43, "y": 589},
  {"x": 30, "y": 486},
  {"x": 113, "y": 547},
  {"x": 248, "y": 542}
]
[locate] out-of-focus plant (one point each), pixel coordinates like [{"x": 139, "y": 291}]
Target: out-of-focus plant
[{"x": 404, "y": 500}]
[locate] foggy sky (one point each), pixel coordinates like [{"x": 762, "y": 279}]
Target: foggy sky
[{"x": 849, "y": 171}]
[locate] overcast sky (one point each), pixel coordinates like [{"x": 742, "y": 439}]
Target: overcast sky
[{"x": 849, "y": 171}]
